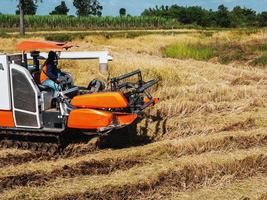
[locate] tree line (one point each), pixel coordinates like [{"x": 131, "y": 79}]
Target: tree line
[
  {"x": 83, "y": 8},
  {"x": 222, "y": 17}
]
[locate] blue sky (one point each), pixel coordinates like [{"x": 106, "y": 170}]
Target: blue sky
[{"x": 135, "y": 7}]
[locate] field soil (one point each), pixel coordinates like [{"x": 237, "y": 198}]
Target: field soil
[{"x": 205, "y": 139}]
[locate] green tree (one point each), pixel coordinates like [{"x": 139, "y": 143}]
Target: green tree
[
  {"x": 194, "y": 15},
  {"x": 185, "y": 15},
  {"x": 237, "y": 16},
  {"x": 223, "y": 18},
  {"x": 208, "y": 18},
  {"x": 162, "y": 11},
  {"x": 242, "y": 17},
  {"x": 174, "y": 11},
  {"x": 122, "y": 12},
  {"x": 250, "y": 16},
  {"x": 29, "y": 7},
  {"x": 262, "y": 19},
  {"x": 61, "y": 9},
  {"x": 88, "y": 7}
]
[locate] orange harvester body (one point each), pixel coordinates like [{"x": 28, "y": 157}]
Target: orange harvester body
[
  {"x": 96, "y": 119},
  {"x": 100, "y": 100},
  {"x": 89, "y": 118},
  {"x": 32, "y": 45},
  {"x": 6, "y": 119}
]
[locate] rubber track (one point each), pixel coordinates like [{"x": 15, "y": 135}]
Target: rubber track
[
  {"x": 44, "y": 149},
  {"x": 38, "y": 142}
]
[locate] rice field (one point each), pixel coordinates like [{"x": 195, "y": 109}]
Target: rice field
[{"x": 205, "y": 139}]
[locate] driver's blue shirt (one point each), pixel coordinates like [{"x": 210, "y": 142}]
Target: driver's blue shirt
[{"x": 52, "y": 71}]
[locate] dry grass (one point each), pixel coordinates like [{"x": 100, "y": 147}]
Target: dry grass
[
  {"x": 208, "y": 132},
  {"x": 252, "y": 188},
  {"x": 4, "y": 153},
  {"x": 196, "y": 170},
  {"x": 226, "y": 141}
]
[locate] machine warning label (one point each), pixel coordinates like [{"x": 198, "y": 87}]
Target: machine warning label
[{"x": 1, "y": 67}]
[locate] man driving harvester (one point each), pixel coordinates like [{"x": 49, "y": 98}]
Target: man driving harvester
[{"x": 51, "y": 76}]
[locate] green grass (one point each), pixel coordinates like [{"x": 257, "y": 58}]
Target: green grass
[
  {"x": 260, "y": 61},
  {"x": 263, "y": 47},
  {"x": 186, "y": 51},
  {"x": 226, "y": 52}
]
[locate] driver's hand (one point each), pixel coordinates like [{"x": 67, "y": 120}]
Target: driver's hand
[{"x": 59, "y": 80}]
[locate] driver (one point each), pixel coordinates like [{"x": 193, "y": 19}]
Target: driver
[{"x": 51, "y": 76}]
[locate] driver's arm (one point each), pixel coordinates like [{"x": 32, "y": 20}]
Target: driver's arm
[{"x": 50, "y": 72}]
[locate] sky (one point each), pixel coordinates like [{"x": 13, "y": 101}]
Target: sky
[{"x": 135, "y": 7}]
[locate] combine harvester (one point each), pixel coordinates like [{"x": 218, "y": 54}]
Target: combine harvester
[{"x": 31, "y": 118}]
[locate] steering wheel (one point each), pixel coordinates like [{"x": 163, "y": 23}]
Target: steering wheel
[
  {"x": 66, "y": 81},
  {"x": 96, "y": 86}
]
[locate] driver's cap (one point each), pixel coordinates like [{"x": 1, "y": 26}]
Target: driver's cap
[{"x": 52, "y": 55}]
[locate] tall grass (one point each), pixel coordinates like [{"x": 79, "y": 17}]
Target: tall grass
[
  {"x": 71, "y": 22},
  {"x": 263, "y": 47},
  {"x": 260, "y": 61}
]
